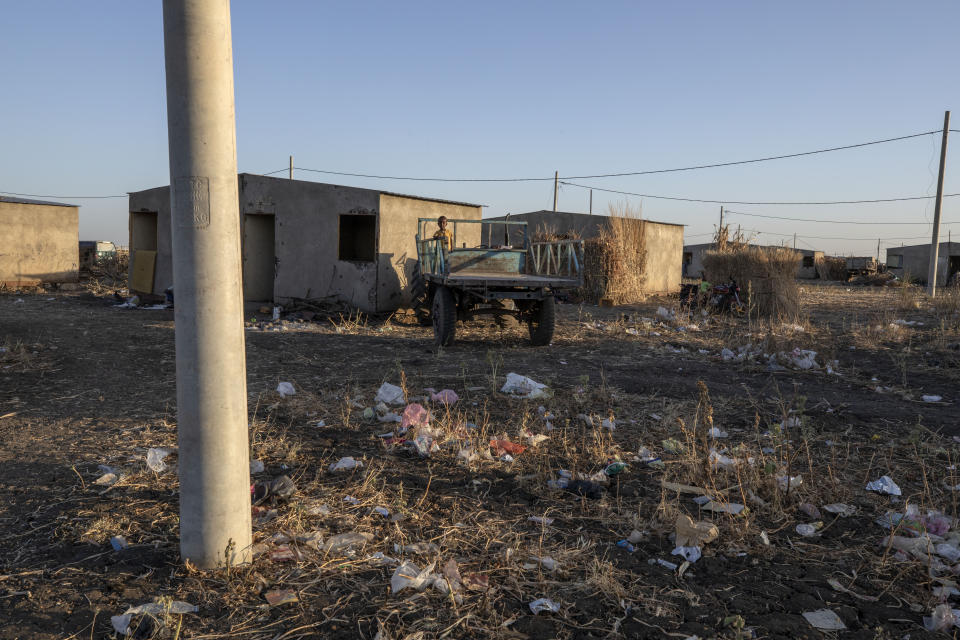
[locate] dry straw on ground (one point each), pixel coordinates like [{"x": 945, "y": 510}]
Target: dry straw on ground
[
  {"x": 766, "y": 275},
  {"x": 831, "y": 267},
  {"x": 614, "y": 266}
]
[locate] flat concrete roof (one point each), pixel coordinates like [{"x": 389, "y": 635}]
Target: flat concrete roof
[
  {"x": 894, "y": 250},
  {"x": 340, "y": 186},
  {"x": 13, "y": 200}
]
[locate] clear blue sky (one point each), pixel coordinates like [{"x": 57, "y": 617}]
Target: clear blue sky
[{"x": 496, "y": 89}]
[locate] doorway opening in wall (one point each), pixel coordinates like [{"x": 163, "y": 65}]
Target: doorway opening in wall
[
  {"x": 953, "y": 267},
  {"x": 143, "y": 250},
  {"x": 807, "y": 262},
  {"x": 357, "y": 238},
  {"x": 259, "y": 257}
]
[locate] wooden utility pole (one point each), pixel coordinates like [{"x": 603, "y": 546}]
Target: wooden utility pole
[
  {"x": 935, "y": 240},
  {"x": 794, "y": 239},
  {"x": 591, "y": 201},
  {"x": 721, "y": 218},
  {"x": 878, "y": 250},
  {"x": 291, "y": 167},
  {"x": 556, "y": 187}
]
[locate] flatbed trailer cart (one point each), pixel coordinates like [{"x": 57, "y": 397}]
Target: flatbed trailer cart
[{"x": 505, "y": 276}]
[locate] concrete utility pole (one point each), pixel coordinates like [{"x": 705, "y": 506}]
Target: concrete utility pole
[
  {"x": 591, "y": 201},
  {"x": 556, "y": 187},
  {"x": 935, "y": 241},
  {"x": 211, "y": 370},
  {"x": 291, "y": 167}
]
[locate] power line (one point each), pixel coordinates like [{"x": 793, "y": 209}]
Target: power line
[
  {"x": 715, "y": 201},
  {"x": 622, "y": 173},
  {"x": 766, "y": 159},
  {"x": 857, "y": 222}
]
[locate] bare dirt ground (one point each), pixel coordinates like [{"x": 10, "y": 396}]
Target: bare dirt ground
[{"x": 83, "y": 384}]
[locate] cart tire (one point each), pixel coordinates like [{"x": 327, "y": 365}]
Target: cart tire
[
  {"x": 422, "y": 295},
  {"x": 543, "y": 316},
  {"x": 444, "y": 316}
]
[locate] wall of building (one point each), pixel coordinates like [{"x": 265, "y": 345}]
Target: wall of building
[
  {"x": 663, "y": 265},
  {"x": 398, "y": 247},
  {"x": 149, "y": 227},
  {"x": 915, "y": 262},
  {"x": 38, "y": 243},
  {"x": 308, "y": 259}
]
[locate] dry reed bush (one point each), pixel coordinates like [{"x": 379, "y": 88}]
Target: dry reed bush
[
  {"x": 831, "y": 267},
  {"x": 614, "y": 261},
  {"x": 766, "y": 275}
]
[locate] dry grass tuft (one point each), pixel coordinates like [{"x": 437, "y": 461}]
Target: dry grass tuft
[
  {"x": 614, "y": 260},
  {"x": 831, "y": 267},
  {"x": 766, "y": 275}
]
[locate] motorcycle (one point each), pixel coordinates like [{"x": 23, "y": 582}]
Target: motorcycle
[{"x": 719, "y": 298}]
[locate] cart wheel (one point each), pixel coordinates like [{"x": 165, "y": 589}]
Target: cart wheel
[
  {"x": 444, "y": 317},
  {"x": 422, "y": 295},
  {"x": 543, "y": 315},
  {"x": 738, "y": 308}
]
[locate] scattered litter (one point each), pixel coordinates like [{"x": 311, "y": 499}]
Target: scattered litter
[
  {"x": 280, "y": 596},
  {"x": 840, "y": 509},
  {"x": 155, "y": 458},
  {"x": 764, "y": 538},
  {"x": 279, "y": 487},
  {"x": 446, "y": 396},
  {"x": 635, "y": 537},
  {"x": 389, "y": 394},
  {"x": 717, "y": 433},
  {"x": 541, "y": 520},
  {"x": 286, "y": 389},
  {"x": 808, "y": 530},
  {"x": 788, "y": 483},
  {"x": 525, "y": 387},
  {"x": 409, "y": 575},
  {"x": 884, "y": 485},
  {"x": 694, "y": 534},
  {"x": 833, "y": 582},
  {"x": 672, "y": 445},
  {"x": 383, "y": 511},
  {"x": 256, "y": 466},
  {"x": 825, "y": 620},
  {"x": 546, "y": 562},
  {"x": 663, "y": 563},
  {"x": 505, "y": 446},
  {"x": 414, "y": 415},
  {"x": 121, "y": 624},
  {"x": 346, "y": 541},
  {"x": 476, "y": 581},
  {"x": 733, "y": 508},
  {"x": 719, "y": 460},
  {"x": 803, "y": 359},
  {"x": 119, "y": 543},
  {"x": 345, "y": 464},
  {"x": 690, "y": 554},
  {"x": 810, "y": 510},
  {"x": 931, "y": 398},
  {"x": 536, "y": 439},
  {"x": 666, "y": 314},
  {"x": 108, "y": 479},
  {"x": 614, "y": 468},
  {"x": 544, "y": 604},
  {"x": 626, "y": 544},
  {"x": 381, "y": 559},
  {"x": 609, "y": 423},
  {"x": 351, "y": 500},
  {"x": 942, "y": 619}
]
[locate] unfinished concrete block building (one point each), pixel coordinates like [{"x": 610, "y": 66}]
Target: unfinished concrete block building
[
  {"x": 303, "y": 240},
  {"x": 913, "y": 262},
  {"x": 38, "y": 242}
]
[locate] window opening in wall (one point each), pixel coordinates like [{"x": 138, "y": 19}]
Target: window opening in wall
[
  {"x": 894, "y": 261},
  {"x": 807, "y": 261},
  {"x": 358, "y": 238}
]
